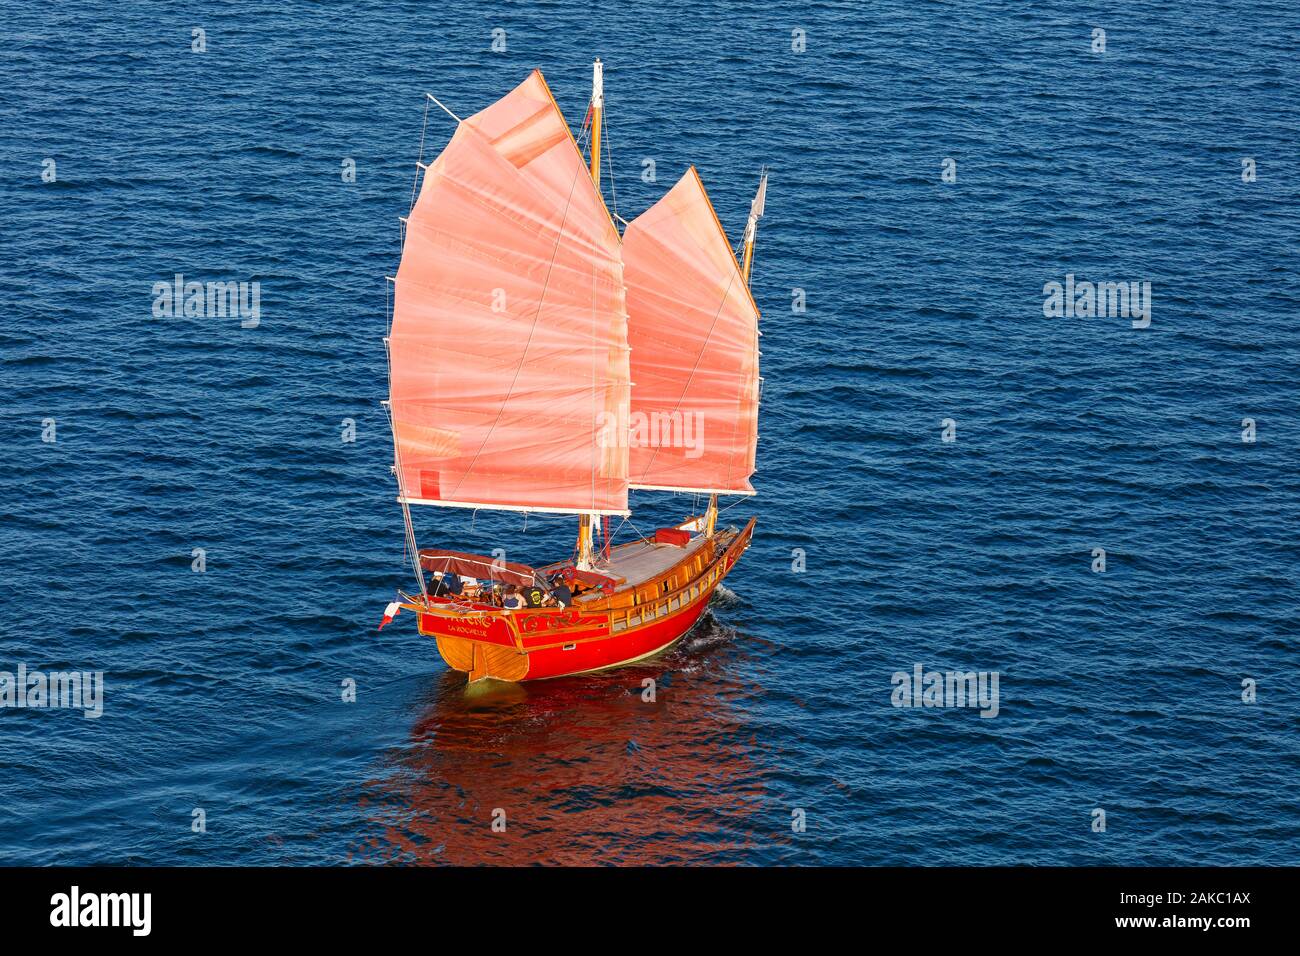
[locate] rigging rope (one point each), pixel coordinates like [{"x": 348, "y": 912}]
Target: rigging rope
[
  {"x": 698, "y": 358},
  {"x": 555, "y": 251},
  {"x": 411, "y": 547},
  {"x": 604, "y": 124},
  {"x": 423, "y": 129}
]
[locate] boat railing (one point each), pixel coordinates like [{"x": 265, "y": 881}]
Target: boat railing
[{"x": 621, "y": 619}]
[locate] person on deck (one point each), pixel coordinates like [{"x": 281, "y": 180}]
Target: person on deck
[
  {"x": 560, "y": 591},
  {"x": 512, "y": 600},
  {"x": 446, "y": 583},
  {"x": 533, "y": 596}
]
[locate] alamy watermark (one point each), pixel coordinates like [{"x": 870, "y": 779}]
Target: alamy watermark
[
  {"x": 79, "y": 690},
  {"x": 1103, "y": 300},
  {"x": 922, "y": 688},
  {"x": 654, "y": 430},
  {"x": 208, "y": 300},
  {"x": 75, "y": 908}
]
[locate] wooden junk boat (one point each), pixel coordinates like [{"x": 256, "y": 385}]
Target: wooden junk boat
[{"x": 540, "y": 361}]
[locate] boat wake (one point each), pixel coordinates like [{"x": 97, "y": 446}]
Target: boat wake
[
  {"x": 724, "y": 597},
  {"x": 706, "y": 636}
]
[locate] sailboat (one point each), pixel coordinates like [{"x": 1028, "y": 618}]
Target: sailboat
[{"x": 540, "y": 361}]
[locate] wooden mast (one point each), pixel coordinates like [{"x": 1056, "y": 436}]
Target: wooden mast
[
  {"x": 751, "y": 227},
  {"x": 586, "y": 554},
  {"x": 597, "y": 107},
  {"x": 747, "y": 263}
]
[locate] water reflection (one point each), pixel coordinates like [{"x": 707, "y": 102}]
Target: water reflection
[{"x": 585, "y": 770}]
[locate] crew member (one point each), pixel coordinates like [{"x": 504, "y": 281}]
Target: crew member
[
  {"x": 560, "y": 591},
  {"x": 533, "y": 595},
  {"x": 446, "y": 583}
]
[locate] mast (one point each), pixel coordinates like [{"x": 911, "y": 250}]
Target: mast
[
  {"x": 751, "y": 227},
  {"x": 597, "y": 108},
  {"x": 585, "y": 557},
  {"x": 751, "y": 233}
]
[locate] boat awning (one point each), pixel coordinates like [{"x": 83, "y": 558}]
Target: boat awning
[{"x": 477, "y": 566}]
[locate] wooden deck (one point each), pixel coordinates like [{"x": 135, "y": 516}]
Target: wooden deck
[{"x": 641, "y": 561}]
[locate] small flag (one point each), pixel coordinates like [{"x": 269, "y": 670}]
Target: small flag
[
  {"x": 760, "y": 200},
  {"x": 390, "y": 612}
]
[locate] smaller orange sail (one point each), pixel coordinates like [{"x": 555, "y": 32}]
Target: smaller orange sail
[{"x": 693, "y": 329}]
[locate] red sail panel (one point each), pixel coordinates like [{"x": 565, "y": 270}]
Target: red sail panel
[
  {"x": 508, "y": 351},
  {"x": 693, "y": 328}
]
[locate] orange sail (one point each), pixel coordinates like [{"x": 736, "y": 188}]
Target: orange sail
[
  {"x": 508, "y": 351},
  {"x": 693, "y": 328}
]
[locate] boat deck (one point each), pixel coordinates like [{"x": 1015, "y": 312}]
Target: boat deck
[{"x": 641, "y": 561}]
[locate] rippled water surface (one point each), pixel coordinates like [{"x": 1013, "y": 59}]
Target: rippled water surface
[{"x": 1119, "y": 690}]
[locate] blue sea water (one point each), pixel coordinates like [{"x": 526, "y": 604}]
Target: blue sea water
[{"x": 1120, "y": 691}]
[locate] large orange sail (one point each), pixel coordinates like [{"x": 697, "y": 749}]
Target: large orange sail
[
  {"x": 693, "y": 328},
  {"x": 508, "y": 351}
]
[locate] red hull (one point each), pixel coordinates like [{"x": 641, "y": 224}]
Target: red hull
[
  {"x": 616, "y": 649},
  {"x": 534, "y": 644}
]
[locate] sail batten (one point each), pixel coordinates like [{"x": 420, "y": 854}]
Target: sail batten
[
  {"x": 508, "y": 350},
  {"x": 693, "y": 329},
  {"x": 677, "y": 489},
  {"x": 486, "y": 506}
]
